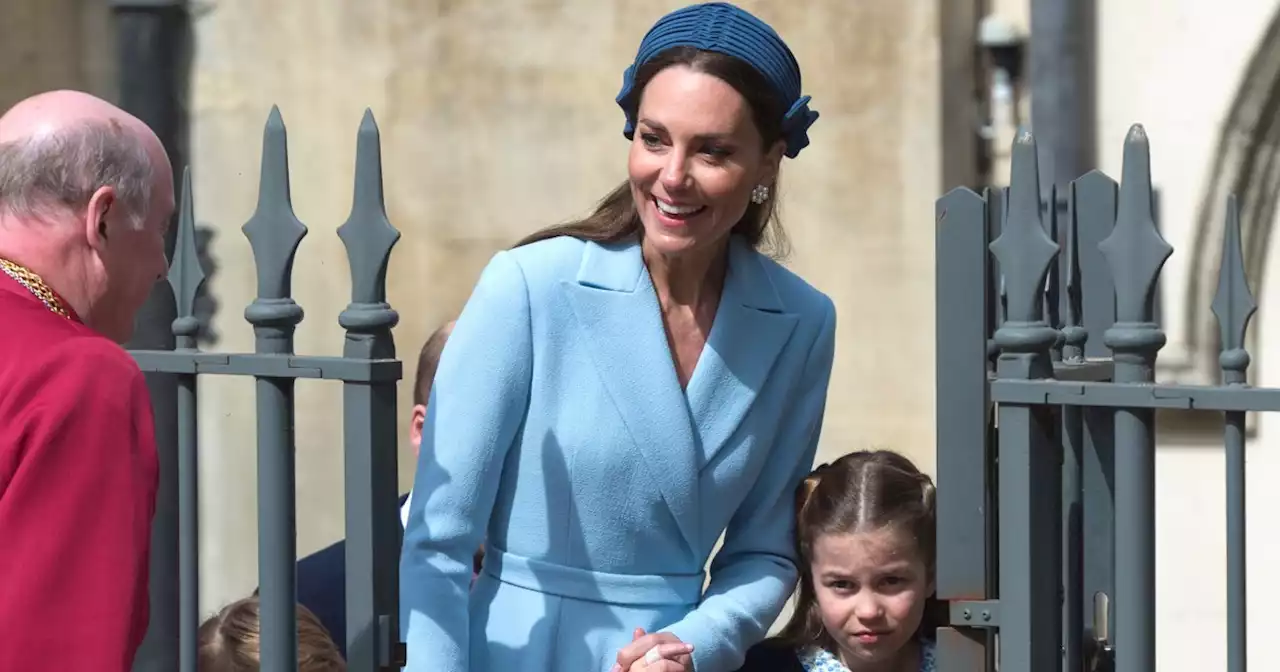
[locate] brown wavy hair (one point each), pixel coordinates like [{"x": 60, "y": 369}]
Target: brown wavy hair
[
  {"x": 231, "y": 641},
  {"x": 616, "y": 218},
  {"x": 865, "y": 490}
]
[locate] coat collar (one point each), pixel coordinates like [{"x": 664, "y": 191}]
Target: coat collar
[
  {"x": 620, "y": 267},
  {"x": 679, "y": 432}
]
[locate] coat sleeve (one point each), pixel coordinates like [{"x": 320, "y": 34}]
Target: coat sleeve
[
  {"x": 475, "y": 411},
  {"x": 76, "y": 515},
  {"x": 755, "y": 570}
]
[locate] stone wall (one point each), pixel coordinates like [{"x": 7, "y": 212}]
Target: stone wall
[
  {"x": 55, "y": 44},
  {"x": 497, "y": 118}
]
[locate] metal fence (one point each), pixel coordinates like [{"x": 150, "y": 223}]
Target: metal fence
[
  {"x": 369, "y": 372},
  {"x": 1046, "y": 349},
  {"x": 1046, "y": 344}
]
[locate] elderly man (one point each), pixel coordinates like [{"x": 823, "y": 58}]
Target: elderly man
[{"x": 86, "y": 194}]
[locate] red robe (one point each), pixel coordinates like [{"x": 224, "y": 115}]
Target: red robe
[{"x": 78, "y": 479}]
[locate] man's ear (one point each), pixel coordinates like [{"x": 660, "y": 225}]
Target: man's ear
[
  {"x": 415, "y": 427},
  {"x": 96, "y": 226}
]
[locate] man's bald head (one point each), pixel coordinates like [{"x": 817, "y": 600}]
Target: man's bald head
[
  {"x": 58, "y": 148},
  {"x": 50, "y": 112},
  {"x": 86, "y": 196}
]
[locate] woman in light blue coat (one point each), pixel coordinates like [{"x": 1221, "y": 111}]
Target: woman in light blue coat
[{"x": 620, "y": 391}]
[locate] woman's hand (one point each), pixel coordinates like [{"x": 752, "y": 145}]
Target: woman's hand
[{"x": 669, "y": 654}]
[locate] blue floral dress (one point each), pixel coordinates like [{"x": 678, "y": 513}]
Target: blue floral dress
[{"x": 816, "y": 659}]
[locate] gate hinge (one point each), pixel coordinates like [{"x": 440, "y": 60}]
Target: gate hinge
[{"x": 975, "y": 613}]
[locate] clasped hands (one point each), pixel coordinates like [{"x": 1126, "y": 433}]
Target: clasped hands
[{"x": 656, "y": 652}]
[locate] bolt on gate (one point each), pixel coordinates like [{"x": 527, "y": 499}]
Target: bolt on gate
[
  {"x": 1046, "y": 445},
  {"x": 369, "y": 372}
]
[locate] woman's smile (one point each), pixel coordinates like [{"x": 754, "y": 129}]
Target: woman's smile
[{"x": 674, "y": 215}]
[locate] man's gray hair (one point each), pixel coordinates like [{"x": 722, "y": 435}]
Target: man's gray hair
[{"x": 66, "y": 167}]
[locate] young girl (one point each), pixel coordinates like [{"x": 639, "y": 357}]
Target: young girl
[{"x": 865, "y": 528}]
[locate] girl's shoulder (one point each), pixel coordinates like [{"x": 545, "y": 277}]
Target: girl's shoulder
[
  {"x": 771, "y": 655},
  {"x": 929, "y": 656},
  {"x": 820, "y": 660}
]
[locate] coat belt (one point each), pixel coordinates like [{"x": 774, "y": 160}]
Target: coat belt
[{"x": 593, "y": 586}]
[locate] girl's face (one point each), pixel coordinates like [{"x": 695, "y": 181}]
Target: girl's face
[{"x": 871, "y": 588}]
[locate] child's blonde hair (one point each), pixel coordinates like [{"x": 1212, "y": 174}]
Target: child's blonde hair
[{"x": 229, "y": 641}]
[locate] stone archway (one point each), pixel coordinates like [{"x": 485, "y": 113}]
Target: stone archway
[{"x": 1246, "y": 163}]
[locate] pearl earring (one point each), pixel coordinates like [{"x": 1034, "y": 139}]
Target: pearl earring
[{"x": 760, "y": 194}]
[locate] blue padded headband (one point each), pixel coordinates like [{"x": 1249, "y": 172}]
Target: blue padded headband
[{"x": 728, "y": 29}]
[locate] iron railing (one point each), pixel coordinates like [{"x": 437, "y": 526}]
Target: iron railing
[
  {"x": 369, "y": 371},
  {"x": 1046, "y": 452}
]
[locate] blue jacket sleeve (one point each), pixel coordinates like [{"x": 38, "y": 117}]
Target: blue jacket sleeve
[
  {"x": 475, "y": 411},
  {"x": 754, "y": 572}
]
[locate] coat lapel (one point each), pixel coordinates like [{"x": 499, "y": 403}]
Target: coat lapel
[
  {"x": 750, "y": 331},
  {"x": 614, "y": 301}
]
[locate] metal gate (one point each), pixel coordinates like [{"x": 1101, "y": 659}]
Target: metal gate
[
  {"x": 1046, "y": 349},
  {"x": 369, "y": 372}
]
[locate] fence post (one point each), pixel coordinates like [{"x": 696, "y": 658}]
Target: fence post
[
  {"x": 186, "y": 277},
  {"x": 369, "y": 423},
  {"x": 150, "y": 38},
  {"x": 1093, "y": 206},
  {"x": 961, "y": 303},
  {"x": 274, "y": 234},
  {"x": 1234, "y": 306},
  {"x": 1135, "y": 252},
  {"x": 1074, "y": 338},
  {"x": 1029, "y": 487}
]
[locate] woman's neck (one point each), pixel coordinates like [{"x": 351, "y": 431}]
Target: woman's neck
[{"x": 688, "y": 279}]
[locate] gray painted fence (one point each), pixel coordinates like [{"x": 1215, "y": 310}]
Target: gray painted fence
[
  {"x": 1046, "y": 346},
  {"x": 368, "y": 371},
  {"x": 1045, "y": 445}
]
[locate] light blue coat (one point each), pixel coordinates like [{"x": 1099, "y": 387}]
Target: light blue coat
[{"x": 558, "y": 429}]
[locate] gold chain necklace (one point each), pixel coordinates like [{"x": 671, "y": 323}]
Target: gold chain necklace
[{"x": 35, "y": 284}]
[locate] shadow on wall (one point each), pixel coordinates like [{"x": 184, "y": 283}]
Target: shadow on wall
[{"x": 206, "y": 306}]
